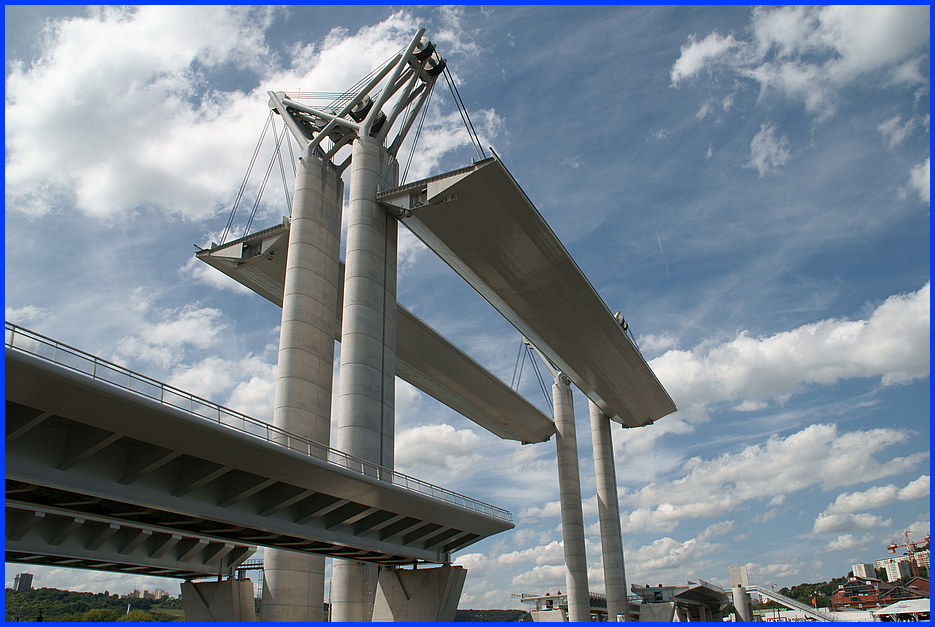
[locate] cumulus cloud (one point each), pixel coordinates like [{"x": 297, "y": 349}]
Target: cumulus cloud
[
  {"x": 879, "y": 496},
  {"x": 845, "y": 542},
  {"x": 893, "y": 344},
  {"x": 140, "y": 130},
  {"x": 810, "y": 53},
  {"x": 552, "y": 553},
  {"x": 698, "y": 54},
  {"x": 163, "y": 341},
  {"x": 837, "y": 523},
  {"x": 441, "y": 446},
  {"x": 820, "y": 455},
  {"x": 126, "y": 133},
  {"x": 666, "y": 553}
]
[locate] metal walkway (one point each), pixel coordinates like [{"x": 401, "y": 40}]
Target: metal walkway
[
  {"x": 792, "y": 604},
  {"x": 89, "y": 439}
]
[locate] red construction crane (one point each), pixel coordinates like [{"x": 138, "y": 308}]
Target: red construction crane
[{"x": 911, "y": 548}]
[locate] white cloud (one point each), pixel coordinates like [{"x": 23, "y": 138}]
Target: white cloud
[
  {"x": 919, "y": 180},
  {"x": 893, "y": 343},
  {"x": 544, "y": 576},
  {"x": 667, "y": 553},
  {"x": 810, "y": 53},
  {"x": 164, "y": 338},
  {"x": 837, "y": 523},
  {"x": 552, "y": 553},
  {"x": 126, "y": 132},
  {"x": 894, "y": 132},
  {"x": 652, "y": 343},
  {"x": 788, "y": 568},
  {"x": 138, "y": 129},
  {"x": 915, "y": 489},
  {"x": 879, "y": 496},
  {"x": 440, "y": 445},
  {"x": 818, "y": 456},
  {"x": 26, "y": 315},
  {"x": 846, "y": 541},
  {"x": 698, "y": 54},
  {"x": 768, "y": 152}
]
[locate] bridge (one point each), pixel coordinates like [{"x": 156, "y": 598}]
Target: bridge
[{"x": 110, "y": 469}]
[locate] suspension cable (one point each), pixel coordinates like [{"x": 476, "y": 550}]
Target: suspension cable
[
  {"x": 243, "y": 184},
  {"x": 518, "y": 365},
  {"x": 282, "y": 168},
  {"x": 465, "y": 116},
  {"x": 415, "y": 138},
  {"x": 259, "y": 195},
  {"x": 542, "y": 386}
]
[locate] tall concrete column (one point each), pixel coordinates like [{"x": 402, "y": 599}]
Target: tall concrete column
[
  {"x": 605, "y": 475},
  {"x": 366, "y": 414},
  {"x": 294, "y": 583},
  {"x": 569, "y": 490}
]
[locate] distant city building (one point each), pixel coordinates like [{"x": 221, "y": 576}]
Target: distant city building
[
  {"x": 867, "y": 571},
  {"x": 922, "y": 559},
  {"x": 22, "y": 582},
  {"x": 897, "y": 570},
  {"x": 738, "y": 576},
  {"x": 159, "y": 593}
]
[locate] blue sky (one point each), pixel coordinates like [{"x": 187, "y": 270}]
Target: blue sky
[{"x": 750, "y": 187}]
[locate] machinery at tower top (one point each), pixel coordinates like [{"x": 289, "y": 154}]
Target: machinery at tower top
[{"x": 409, "y": 76}]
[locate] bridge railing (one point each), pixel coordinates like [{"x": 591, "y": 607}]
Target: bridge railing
[{"x": 21, "y": 339}]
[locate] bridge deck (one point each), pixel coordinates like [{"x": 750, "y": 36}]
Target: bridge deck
[
  {"x": 423, "y": 357},
  {"x": 479, "y": 221},
  {"x": 94, "y": 439}
]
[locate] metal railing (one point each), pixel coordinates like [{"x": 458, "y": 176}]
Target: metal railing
[{"x": 26, "y": 341}]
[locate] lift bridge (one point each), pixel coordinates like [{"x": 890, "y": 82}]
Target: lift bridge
[{"x": 109, "y": 469}]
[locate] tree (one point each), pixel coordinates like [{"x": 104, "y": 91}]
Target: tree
[{"x": 137, "y": 616}]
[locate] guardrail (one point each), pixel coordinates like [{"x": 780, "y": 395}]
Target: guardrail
[{"x": 21, "y": 339}]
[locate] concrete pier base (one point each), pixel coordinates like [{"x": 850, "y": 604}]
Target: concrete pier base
[
  {"x": 569, "y": 484},
  {"x": 608, "y": 508},
  {"x": 421, "y": 595},
  {"x": 218, "y": 601}
]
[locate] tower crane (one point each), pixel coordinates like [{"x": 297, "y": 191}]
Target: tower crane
[{"x": 911, "y": 549}]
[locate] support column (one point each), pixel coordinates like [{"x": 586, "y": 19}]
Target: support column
[
  {"x": 366, "y": 414},
  {"x": 229, "y": 601},
  {"x": 569, "y": 488},
  {"x": 419, "y": 595},
  {"x": 742, "y": 604},
  {"x": 294, "y": 583},
  {"x": 608, "y": 508}
]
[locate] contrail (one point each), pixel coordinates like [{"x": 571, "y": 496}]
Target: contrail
[{"x": 662, "y": 252}]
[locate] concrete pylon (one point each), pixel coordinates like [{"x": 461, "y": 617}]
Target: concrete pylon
[
  {"x": 569, "y": 489},
  {"x": 366, "y": 414},
  {"x": 608, "y": 508},
  {"x": 294, "y": 583}
]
